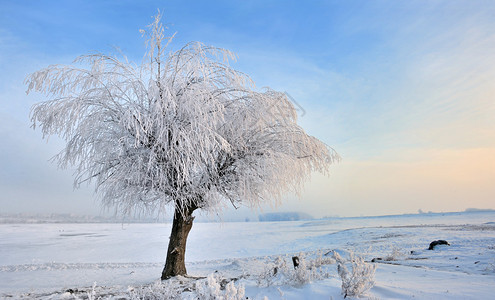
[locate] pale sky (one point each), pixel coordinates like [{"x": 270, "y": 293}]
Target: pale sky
[{"x": 404, "y": 91}]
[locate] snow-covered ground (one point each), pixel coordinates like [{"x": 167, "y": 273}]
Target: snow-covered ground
[{"x": 63, "y": 261}]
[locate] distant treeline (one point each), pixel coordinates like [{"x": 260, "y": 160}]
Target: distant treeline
[
  {"x": 71, "y": 218},
  {"x": 284, "y": 216}
]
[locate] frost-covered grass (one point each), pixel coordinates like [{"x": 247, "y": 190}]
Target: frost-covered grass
[{"x": 62, "y": 261}]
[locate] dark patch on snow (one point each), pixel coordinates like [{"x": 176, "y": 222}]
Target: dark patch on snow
[{"x": 438, "y": 242}]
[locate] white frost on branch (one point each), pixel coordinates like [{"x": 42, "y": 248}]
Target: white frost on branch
[{"x": 183, "y": 128}]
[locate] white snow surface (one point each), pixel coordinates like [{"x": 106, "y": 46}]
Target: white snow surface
[{"x": 63, "y": 261}]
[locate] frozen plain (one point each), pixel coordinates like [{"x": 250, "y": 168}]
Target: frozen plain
[{"x": 47, "y": 260}]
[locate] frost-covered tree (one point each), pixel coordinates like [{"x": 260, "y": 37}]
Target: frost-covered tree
[{"x": 181, "y": 130}]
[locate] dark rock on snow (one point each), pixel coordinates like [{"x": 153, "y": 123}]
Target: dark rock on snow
[
  {"x": 295, "y": 261},
  {"x": 438, "y": 242}
]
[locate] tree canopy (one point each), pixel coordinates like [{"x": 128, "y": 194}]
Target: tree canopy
[{"x": 181, "y": 128}]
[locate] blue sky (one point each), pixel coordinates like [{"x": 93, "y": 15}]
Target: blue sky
[{"x": 403, "y": 90}]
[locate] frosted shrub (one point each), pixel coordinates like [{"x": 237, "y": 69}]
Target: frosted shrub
[
  {"x": 396, "y": 254},
  {"x": 267, "y": 277},
  {"x": 281, "y": 273},
  {"x": 233, "y": 292},
  {"x": 310, "y": 269},
  {"x": 490, "y": 268},
  {"x": 303, "y": 273},
  {"x": 357, "y": 281},
  {"x": 321, "y": 260},
  {"x": 210, "y": 289},
  {"x": 161, "y": 290},
  {"x": 92, "y": 294},
  {"x": 273, "y": 273}
]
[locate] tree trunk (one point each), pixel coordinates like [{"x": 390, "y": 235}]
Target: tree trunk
[{"x": 175, "y": 263}]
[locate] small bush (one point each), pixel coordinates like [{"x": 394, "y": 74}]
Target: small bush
[
  {"x": 490, "y": 268},
  {"x": 357, "y": 281},
  {"x": 166, "y": 290},
  {"x": 204, "y": 289},
  {"x": 92, "y": 294},
  {"x": 281, "y": 273},
  {"x": 396, "y": 254},
  {"x": 210, "y": 289}
]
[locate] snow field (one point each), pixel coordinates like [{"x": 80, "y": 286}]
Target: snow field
[{"x": 47, "y": 261}]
